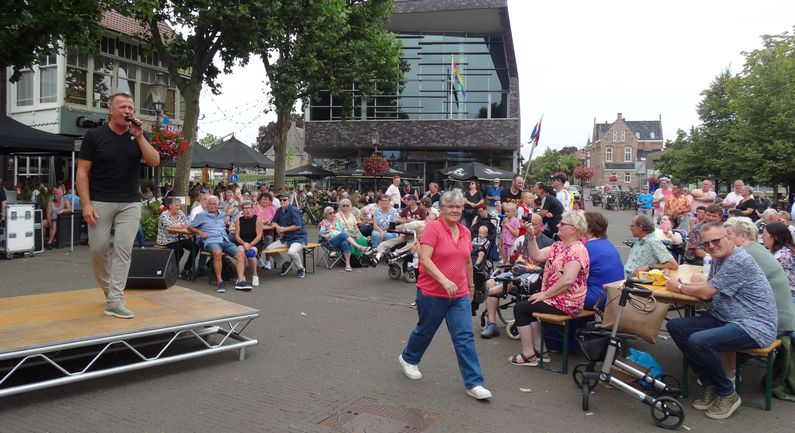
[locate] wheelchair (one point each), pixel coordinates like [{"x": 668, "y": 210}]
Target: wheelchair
[{"x": 524, "y": 284}]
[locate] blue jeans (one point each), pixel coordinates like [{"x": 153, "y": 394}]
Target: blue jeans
[
  {"x": 701, "y": 339},
  {"x": 458, "y": 315},
  {"x": 376, "y": 238},
  {"x": 340, "y": 242}
]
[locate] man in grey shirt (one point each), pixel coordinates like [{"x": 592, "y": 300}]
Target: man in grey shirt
[{"x": 742, "y": 315}]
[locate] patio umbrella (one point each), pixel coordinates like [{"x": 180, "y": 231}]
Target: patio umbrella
[
  {"x": 235, "y": 152},
  {"x": 476, "y": 170},
  {"x": 309, "y": 171},
  {"x": 202, "y": 157},
  {"x": 358, "y": 172}
]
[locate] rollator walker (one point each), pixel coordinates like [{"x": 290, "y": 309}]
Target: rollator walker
[{"x": 601, "y": 345}]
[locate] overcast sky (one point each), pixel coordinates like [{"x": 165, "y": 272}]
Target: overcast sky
[{"x": 582, "y": 60}]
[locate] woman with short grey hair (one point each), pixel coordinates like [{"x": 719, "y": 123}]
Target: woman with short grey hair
[{"x": 747, "y": 206}]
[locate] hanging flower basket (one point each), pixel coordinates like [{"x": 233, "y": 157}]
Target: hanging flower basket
[
  {"x": 169, "y": 143},
  {"x": 584, "y": 173},
  {"x": 613, "y": 178},
  {"x": 654, "y": 179},
  {"x": 375, "y": 165}
]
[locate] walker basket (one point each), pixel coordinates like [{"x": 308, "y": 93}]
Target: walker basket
[{"x": 593, "y": 343}]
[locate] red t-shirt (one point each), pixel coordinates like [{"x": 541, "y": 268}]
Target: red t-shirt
[{"x": 449, "y": 256}]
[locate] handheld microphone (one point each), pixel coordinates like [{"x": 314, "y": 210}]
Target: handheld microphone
[{"x": 133, "y": 121}]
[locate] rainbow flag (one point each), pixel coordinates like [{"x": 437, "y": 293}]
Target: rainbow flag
[{"x": 458, "y": 79}]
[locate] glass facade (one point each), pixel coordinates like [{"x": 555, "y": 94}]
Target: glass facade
[{"x": 427, "y": 92}]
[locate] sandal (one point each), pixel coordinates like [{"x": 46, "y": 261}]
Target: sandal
[
  {"x": 526, "y": 362},
  {"x": 546, "y": 358}
]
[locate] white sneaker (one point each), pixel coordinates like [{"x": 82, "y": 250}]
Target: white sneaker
[
  {"x": 411, "y": 371},
  {"x": 268, "y": 264},
  {"x": 255, "y": 280},
  {"x": 479, "y": 393}
]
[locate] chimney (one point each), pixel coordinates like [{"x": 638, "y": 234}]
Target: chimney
[{"x": 619, "y": 116}]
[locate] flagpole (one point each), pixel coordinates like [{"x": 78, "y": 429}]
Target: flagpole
[
  {"x": 451, "y": 86},
  {"x": 533, "y": 148}
]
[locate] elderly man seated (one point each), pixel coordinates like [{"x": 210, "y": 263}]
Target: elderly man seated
[
  {"x": 210, "y": 225},
  {"x": 648, "y": 252},
  {"x": 536, "y": 225},
  {"x": 742, "y": 315},
  {"x": 694, "y": 253}
]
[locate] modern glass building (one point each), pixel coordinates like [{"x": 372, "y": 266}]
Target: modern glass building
[{"x": 428, "y": 121}]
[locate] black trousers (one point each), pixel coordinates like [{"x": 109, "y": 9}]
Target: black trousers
[{"x": 523, "y": 311}]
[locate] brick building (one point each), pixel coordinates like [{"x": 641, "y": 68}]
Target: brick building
[{"x": 621, "y": 149}]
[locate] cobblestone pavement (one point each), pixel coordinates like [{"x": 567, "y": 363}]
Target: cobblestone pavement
[{"x": 325, "y": 342}]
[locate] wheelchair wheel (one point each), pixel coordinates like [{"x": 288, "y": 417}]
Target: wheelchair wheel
[
  {"x": 667, "y": 412},
  {"x": 510, "y": 329},
  {"x": 410, "y": 276},
  {"x": 394, "y": 271}
]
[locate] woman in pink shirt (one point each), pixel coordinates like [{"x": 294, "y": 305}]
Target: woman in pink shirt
[
  {"x": 265, "y": 210},
  {"x": 444, "y": 292},
  {"x": 563, "y": 287}
]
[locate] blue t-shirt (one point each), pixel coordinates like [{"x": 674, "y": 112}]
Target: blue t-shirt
[
  {"x": 384, "y": 218},
  {"x": 645, "y": 200},
  {"x": 493, "y": 192},
  {"x": 744, "y": 296},
  {"x": 213, "y": 225},
  {"x": 606, "y": 267}
]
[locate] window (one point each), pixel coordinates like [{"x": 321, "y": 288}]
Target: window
[
  {"x": 609, "y": 154},
  {"x": 628, "y": 154},
  {"x": 615, "y": 135},
  {"x": 623, "y": 135},
  {"x": 627, "y": 177},
  {"x": 103, "y": 81},
  {"x": 651, "y": 135},
  {"x": 25, "y": 89},
  {"x": 76, "y": 77},
  {"x": 48, "y": 78}
]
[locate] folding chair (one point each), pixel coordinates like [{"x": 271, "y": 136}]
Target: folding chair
[{"x": 331, "y": 256}]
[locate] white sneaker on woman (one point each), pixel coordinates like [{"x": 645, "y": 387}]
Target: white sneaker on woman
[
  {"x": 410, "y": 370},
  {"x": 479, "y": 393}
]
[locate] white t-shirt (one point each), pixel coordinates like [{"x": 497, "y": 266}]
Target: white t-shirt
[
  {"x": 193, "y": 212},
  {"x": 564, "y": 198},
  {"x": 733, "y": 198},
  {"x": 393, "y": 193}
]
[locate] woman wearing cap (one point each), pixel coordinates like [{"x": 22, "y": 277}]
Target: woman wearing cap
[
  {"x": 444, "y": 289},
  {"x": 472, "y": 198}
]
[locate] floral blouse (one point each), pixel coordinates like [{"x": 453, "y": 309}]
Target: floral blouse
[
  {"x": 570, "y": 301},
  {"x": 786, "y": 257},
  {"x": 384, "y": 218},
  {"x": 166, "y": 220},
  {"x": 328, "y": 229}
]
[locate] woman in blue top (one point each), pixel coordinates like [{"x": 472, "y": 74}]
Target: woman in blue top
[
  {"x": 606, "y": 266},
  {"x": 645, "y": 202},
  {"x": 382, "y": 216}
]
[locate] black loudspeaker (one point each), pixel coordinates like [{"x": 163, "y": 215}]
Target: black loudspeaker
[
  {"x": 38, "y": 231},
  {"x": 152, "y": 269}
]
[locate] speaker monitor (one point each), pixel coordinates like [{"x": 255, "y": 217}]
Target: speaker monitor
[{"x": 152, "y": 269}]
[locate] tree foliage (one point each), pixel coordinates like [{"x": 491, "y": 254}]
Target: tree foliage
[
  {"x": 31, "y": 28},
  {"x": 308, "y": 46},
  {"x": 553, "y": 161},
  {"x": 209, "y": 141},
  {"x": 267, "y": 133},
  {"x": 747, "y": 125},
  {"x": 209, "y": 30}
]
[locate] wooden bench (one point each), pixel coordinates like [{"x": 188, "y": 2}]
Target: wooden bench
[
  {"x": 559, "y": 320},
  {"x": 309, "y": 251},
  {"x": 762, "y": 354}
]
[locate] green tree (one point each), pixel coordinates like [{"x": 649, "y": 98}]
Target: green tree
[
  {"x": 209, "y": 141},
  {"x": 209, "y": 30},
  {"x": 308, "y": 46},
  {"x": 766, "y": 111},
  {"x": 31, "y": 28},
  {"x": 553, "y": 161}
]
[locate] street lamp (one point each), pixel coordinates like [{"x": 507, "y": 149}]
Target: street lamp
[{"x": 158, "y": 90}]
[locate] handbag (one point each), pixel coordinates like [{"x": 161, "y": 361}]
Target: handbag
[{"x": 642, "y": 316}]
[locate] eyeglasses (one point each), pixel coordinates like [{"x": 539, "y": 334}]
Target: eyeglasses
[
  {"x": 565, "y": 224},
  {"x": 454, "y": 207},
  {"x": 345, "y": 205},
  {"x": 714, "y": 243}
]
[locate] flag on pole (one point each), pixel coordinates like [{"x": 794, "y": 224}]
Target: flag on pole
[
  {"x": 536, "y": 134},
  {"x": 458, "y": 79}
]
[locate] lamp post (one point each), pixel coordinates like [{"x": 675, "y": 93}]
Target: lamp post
[
  {"x": 158, "y": 91},
  {"x": 375, "y": 137}
]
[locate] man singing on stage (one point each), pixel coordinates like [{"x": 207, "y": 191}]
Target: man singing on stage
[{"x": 107, "y": 182}]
